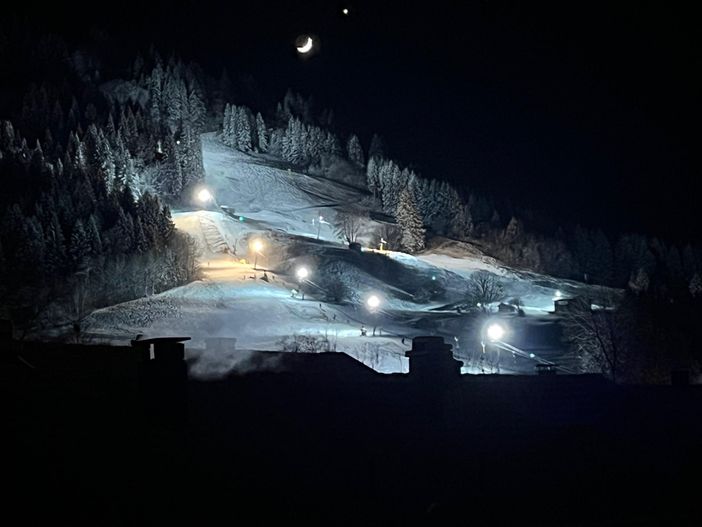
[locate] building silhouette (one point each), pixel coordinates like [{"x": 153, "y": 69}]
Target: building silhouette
[{"x": 122, "y": 434}]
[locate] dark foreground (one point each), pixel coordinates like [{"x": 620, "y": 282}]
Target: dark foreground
[{"x": 99, "y": 436}]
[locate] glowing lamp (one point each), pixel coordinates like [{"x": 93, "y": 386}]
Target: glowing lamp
[
  {"x": 204, "y": 195},
  {"x": 373, "y": 302},
  {"x": 495, "y": 332}
]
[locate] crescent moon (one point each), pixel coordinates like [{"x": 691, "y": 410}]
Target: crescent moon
[{"x": 306, "y": 47}]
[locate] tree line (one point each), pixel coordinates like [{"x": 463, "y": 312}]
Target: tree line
[{"x": 427, "y": 207}]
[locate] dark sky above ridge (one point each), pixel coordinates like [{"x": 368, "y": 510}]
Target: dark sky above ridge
[{"x": 587, "y": 111}]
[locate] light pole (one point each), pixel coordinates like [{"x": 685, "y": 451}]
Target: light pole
[
  {"x": 373, "y": 303},
  {"x": 319, "y": 224},
  {"x": 204, "y": 196},
  {"x": 257, "y": 246},
  {"x": 494, "y": 332},
  {"x": 302, "y": 273}
]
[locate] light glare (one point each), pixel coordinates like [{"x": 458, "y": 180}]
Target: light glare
[
  {"x": 204, "y": 195},
  {"x": 495, "y": 332},
  {"x": 373, "y": 301}
]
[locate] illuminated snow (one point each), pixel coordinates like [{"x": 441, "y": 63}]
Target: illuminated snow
[{"x": 234, "y": 300}]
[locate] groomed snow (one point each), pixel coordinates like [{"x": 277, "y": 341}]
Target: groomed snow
[{"x": 233, "y": 301}]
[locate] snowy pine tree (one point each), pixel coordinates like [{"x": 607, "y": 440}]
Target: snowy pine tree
[
  {"x": 410, "y": 223},
  {"x": 79, "y": 246},
  {"x": 372, "y": 178},
  {"x": 102, "y": 159},
  {"x": 331, "y": 144},
  {"x": 454, "y": 213},
  {"x": 389, "y": 177},
  {"x": 355, "y": 151},
  {"x": 173, "y": 102},
  {"x": 123, "y": 241},
  {"x": 315, "y": 144},
  {"x": 196, "y": 111},
  {"x": 293, "y": 142},
  {"x": 124, "y": 165},
  {"x": 261, "y": 134},
  {"x": 227, "y": 125},
  {"x": 93, "y": 236},
  {"x": 243, "y": 130},
  {"x": 171, "y": 182},
  {"x": 155, "y": 88},
  {"x": 140, "y": 241}
]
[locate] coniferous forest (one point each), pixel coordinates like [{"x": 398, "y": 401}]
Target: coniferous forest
[{"x": 88, "y": 180}]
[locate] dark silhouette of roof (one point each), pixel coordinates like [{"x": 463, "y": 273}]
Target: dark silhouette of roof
[{"x": 102, "y": 433}]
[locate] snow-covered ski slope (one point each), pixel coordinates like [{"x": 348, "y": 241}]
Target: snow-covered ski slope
[{"x": 281, "y": 208}]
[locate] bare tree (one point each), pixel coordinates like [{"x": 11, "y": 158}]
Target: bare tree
[
  {"x": 518, "y": 304},
  {"x": 599, "y": 337},
  {"x": 335, "y": 290},
  {"x": 483, "y": 288},
  {"x": 348, "y": 225}
]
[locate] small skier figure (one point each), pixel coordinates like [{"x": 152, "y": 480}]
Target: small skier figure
[
  {"x": 265, "y": 276},
  {"x": 363, "y": 331}
]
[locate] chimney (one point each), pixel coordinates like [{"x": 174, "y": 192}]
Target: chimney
[
  {"x": 163, "y": 378},
  {"x": 431, "y": 360}
]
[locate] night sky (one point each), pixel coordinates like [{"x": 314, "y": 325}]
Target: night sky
[{"x": 588, "y": 112}]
